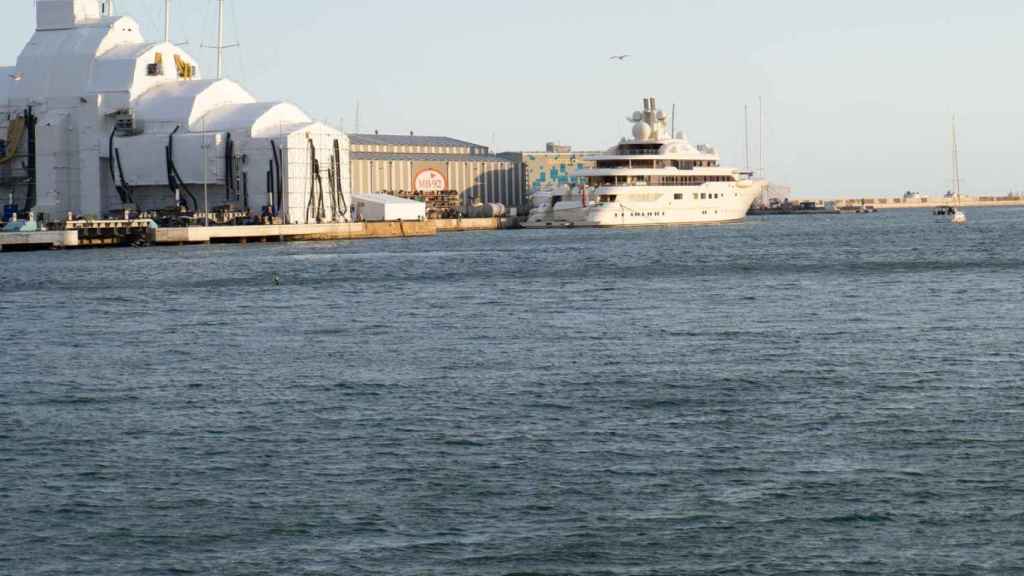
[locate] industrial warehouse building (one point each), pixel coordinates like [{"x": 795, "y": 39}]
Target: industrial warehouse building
[{"x": 417, "y": 166}]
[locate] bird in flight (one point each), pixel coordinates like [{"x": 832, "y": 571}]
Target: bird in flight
[{"x": 620, "y": 57}]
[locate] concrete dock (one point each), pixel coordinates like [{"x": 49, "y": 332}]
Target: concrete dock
[
  {"x": 81, "y": 236},
  {"x": 300, "y": 232},
  {"x": 19, "y": 241}
]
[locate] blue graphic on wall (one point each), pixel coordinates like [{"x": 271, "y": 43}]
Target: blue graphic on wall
[{"x": 547, "y": 171}]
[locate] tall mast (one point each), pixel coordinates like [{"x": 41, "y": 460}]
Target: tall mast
[
  {"x": 764, "y": 139},
  {"x": 760, "y": 136},
  {"x": 746, "y": 134},
  {"x": 956, "y": 165},
  {"x": 762, "y": 130},
  {"x": 167, "y": 20},
  {"x": 220, "y": 39}
]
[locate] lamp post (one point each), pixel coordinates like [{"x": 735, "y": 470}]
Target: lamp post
[{"x": 206, "y": 183}]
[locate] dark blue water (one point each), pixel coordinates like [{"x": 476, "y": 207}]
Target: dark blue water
[{"x": 790, "y": 395}]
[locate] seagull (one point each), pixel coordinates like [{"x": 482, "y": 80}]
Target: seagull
[{"x": 620, "y": 57}]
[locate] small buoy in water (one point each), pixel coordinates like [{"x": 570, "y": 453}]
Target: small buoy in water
[{"x": 276, "y": 279}]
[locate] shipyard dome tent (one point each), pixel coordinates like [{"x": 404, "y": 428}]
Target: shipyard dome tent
[{"x": 94, "y": 119}]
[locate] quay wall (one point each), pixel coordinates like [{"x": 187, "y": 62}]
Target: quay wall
[
  {"x": 11, "y": 241},
  {"x": 283, "y": 232},
  {"x": 965, "y": 201},
  {"x": 470, "y": 224},
  {"x": 358, "y": 230},
  {"x": 83, "y": 235}
]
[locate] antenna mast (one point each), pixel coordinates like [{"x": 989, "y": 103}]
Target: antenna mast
[
  {"x": 220, "y": 40},
  {"x": 167, "y": 20}
]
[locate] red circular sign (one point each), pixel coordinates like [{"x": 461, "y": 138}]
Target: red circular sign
[{"x": 429, "y": 180}]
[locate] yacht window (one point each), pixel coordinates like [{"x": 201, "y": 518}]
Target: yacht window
[
  {"x": 679, "y": 196},
  {"x": 703, "y": 196}
]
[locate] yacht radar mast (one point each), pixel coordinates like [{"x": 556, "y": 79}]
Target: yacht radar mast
[{"x": 649, "y": 124}]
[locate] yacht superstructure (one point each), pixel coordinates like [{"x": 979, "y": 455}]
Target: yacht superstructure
[{"x": 651, "y": 179}]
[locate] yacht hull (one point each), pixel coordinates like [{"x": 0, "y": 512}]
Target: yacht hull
[{"x": 718, "y": 203}]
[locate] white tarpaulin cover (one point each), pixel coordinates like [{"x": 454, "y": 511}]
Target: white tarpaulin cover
[{"x": 108, "y": 102}]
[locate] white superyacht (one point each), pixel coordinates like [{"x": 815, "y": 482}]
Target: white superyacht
[{"x": 650, "y": 180}]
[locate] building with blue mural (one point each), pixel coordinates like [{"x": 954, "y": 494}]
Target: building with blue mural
[{"x": 554, "y": 166}]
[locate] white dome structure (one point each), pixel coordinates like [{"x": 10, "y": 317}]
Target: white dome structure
[
  {"x": 93, "y": 118},
  {"x": 642, "y": 130}
]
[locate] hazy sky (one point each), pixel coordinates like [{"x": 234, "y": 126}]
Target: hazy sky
[{"x": 858, "y": 95}]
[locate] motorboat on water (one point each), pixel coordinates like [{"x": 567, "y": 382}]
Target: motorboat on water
[{"x": 652, "y": 179}]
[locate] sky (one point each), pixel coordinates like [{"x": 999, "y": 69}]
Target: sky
[{"x": 858, "y": 96}]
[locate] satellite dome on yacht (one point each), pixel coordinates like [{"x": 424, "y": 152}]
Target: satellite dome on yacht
[{"x": 94, "y": 118}]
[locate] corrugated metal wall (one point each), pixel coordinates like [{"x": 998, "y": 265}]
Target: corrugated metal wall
[{"x": 492, "y": 180}]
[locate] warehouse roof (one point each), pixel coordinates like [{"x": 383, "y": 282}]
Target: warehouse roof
[
  {"x": 407, "y": 140},
  {"x": 427, "y": 157}
]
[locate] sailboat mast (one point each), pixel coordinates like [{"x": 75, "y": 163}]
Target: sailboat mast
[
  {"x": 956, "y": 165},
  {"x": 746, "y": 134}
]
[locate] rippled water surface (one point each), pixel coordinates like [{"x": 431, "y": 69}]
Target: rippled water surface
[{"x": 789, "y": 395}]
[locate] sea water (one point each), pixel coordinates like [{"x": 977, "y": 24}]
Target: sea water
[{"x": 792, "y": 394}]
